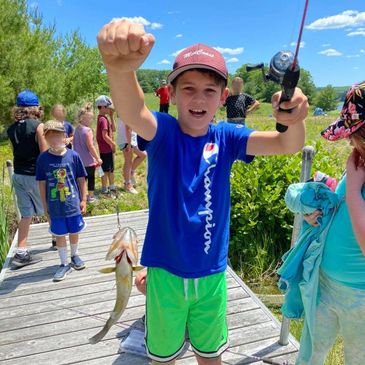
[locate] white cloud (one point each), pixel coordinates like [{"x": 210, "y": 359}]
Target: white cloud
[
  {"x": 141, "y": 20},
  {"x": 178, "y": 36},
  {"x": 347, "y": 18},
  {"x": 164, "y": 62},
  {"x": 173, "y": 12},
  {"x": 362, "y": 50},
  {"x": 156, "y": 26},
  {"x": 355, "y": 68},
  {"x": 330, "y": 52},
  {"x": 230, "y": 51},
  {"x": 177, "y": 52},
  {"x": 232, "y": 60},
  {"x": 326, "y": 45},
  {"x": 353, "y": 55},
  {"x": 356, "y": 32},
  {"x": 294, "y": 44}
]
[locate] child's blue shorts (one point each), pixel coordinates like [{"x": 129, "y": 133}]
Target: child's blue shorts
[{"x": 64, "y": 226}]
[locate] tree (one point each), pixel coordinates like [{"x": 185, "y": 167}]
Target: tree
[
  {"x": 327, "y": 98},
  {"x": 262, "y": 90},
  {"x": 61, "y": 69},
  {"x": 307, "y": 85}
]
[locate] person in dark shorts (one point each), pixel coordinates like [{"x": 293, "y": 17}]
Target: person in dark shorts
[
  {"x": 27, "y": 140},
  {"x": 104, "y": 137},
  {"x": 163, "y": 93}
]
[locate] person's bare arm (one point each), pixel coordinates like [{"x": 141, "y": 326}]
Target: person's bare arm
[
  {"x": 128, "y": 134},
  {"x": 355, "y": 181},
  {"x": 124, "y": 47},
  {"x": 252, "y": 107},
  {"x": 82, "y": 186},
  {"x": 42, "y": 191},
  {"x": 42, "y": 143},
  {"x": 274, "y": 143},
  {"x": 91, "y": 148},
  {"x": 112, "y": 121}
]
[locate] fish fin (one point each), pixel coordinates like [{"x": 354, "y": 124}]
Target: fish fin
[
  {"x": 137, "y": 268},
  {"x": 107, "y": 270}
]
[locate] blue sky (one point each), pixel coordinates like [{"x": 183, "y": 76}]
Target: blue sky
[{"x": 333, "y": 48}]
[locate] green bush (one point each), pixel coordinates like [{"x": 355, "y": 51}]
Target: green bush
[{"x": 261, "y": 224}]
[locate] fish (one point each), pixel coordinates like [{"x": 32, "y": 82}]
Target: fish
[{"x": 124, "y": 251}]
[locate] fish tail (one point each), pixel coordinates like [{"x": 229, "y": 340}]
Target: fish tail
[{"x": 99, "y": 336}]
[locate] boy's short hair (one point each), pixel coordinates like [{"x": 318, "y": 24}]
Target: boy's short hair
[
  {"x": 237, "y": 79},
  {"x": 199, "y": 57}
]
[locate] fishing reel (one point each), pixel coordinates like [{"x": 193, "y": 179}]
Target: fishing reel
[{"x": 284, "y": 70}]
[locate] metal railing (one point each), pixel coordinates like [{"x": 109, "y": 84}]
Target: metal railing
[{"x": 307, "y": 158}]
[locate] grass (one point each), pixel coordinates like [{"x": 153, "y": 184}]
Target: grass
[{"x": 335, "y": 356}]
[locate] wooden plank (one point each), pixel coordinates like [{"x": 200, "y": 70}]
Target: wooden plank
[
  {"x": 96, "y": 223},
  {"x": 91, "y": 319},
  {"x": 102, "y": 306},
  {"x": 33, "y": 346},
  {"x": 41, "y": 320},
  {"x": 18, "y": 307},
  {"x": 81, "y": 350}
]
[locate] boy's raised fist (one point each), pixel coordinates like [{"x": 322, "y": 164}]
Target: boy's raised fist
[{"x": 124, "y": 45}]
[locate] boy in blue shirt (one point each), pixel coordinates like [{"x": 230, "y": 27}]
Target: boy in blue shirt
[
  {"x": 189, "y": 163},
  {"x": 62, "y": 186}
]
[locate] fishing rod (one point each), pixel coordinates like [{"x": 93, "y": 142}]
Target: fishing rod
[{"x": 284, "y": 70}]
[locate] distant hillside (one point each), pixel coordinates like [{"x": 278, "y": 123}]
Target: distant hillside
[{"x": 340, "y": 90}]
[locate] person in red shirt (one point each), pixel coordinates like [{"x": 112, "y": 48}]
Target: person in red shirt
[
  {"x": 106, "y": 144},
  {"x": 163, "y": 93}
]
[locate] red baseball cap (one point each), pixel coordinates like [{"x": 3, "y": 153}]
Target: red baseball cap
[{"x": 198, "y": 56}]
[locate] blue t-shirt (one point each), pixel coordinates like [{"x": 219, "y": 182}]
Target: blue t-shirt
[
  {"x": 189, "y": 196},
  {"x": 69, "y": 128},
  {"x": 69, "y": 132},
  {"x": 61, "y": 174},
  {"x": 343, "y": 260}
]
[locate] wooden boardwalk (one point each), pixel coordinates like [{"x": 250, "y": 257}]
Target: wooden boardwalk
[{"x": 42, "y": 322}]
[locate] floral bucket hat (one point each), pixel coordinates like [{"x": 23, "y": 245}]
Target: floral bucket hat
[{"x": 352, "y": 115}]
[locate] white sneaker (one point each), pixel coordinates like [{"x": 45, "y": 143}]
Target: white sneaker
[{"x": 130, "y": 189}]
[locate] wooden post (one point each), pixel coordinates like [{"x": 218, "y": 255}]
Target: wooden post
[
  {"x": 9, "y": 166},
  {"x": 307, "y": 158}
]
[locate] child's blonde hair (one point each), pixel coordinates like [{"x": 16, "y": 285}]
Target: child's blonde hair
[
  {"x": 87, "y": 108},
  {"x": 26, "y": 112},
  {"x": 237, "y": 79}
]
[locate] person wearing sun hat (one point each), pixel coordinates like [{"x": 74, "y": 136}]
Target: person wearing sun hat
[
  {"x": 341, "y": 307},
  {"x": 189, "y": 164},
  {"x": 26, "y": 137}
]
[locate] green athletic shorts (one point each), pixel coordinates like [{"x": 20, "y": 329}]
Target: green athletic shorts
[{"x": 174, "y": 304}]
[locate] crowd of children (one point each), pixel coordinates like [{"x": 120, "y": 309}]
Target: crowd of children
[{"x": 54, "y": 170}]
